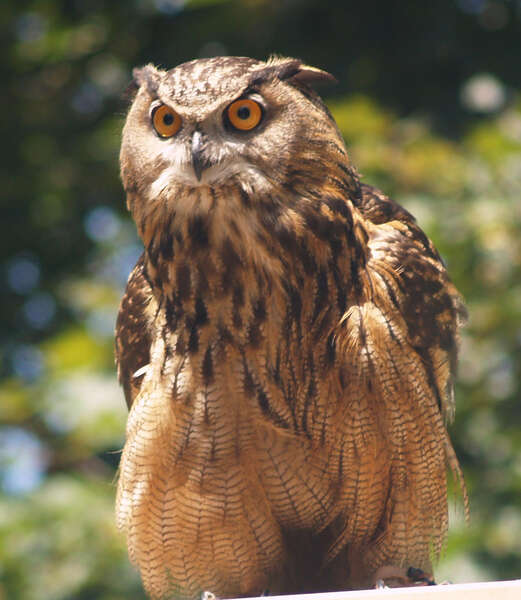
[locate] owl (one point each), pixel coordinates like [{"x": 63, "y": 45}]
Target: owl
[{"x": 286, "y": 344}]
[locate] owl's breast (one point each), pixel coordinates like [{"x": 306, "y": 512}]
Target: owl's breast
[{"x": 261, "y": 413}]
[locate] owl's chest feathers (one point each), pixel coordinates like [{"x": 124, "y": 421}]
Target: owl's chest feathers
[
  {"x": 247, "y": 314},
  {"x": 244, "y": 379}
]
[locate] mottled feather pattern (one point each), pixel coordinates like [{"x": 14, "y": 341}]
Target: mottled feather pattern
[
  {"x": 133, "y": 331},
  {"x": 294, "y": 335}
]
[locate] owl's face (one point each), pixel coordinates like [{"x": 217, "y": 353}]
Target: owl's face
[{"x": 215, "y": 121}]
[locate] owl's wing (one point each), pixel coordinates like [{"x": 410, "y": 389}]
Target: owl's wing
[
  {"x": 398, "y": 346},
  {"x": 429, "y": 303},
  {"x": 133, "y": 337}
]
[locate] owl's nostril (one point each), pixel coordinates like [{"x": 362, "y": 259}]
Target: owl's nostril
[{"x": 198, "y": 162}]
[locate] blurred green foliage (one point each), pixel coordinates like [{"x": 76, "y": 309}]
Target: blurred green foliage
[{"x": 429, "y": 103}]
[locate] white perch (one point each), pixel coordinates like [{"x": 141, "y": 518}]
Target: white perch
[{"x": 494, "y": 590}]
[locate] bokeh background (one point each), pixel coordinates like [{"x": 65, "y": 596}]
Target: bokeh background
[{"x": 429, "y": 101}]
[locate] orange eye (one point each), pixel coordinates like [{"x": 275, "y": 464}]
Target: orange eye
[
  {"x": 166, "y": 121},
  {"x": 244, "y": 114}
]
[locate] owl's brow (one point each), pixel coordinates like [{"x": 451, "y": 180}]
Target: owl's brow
[
  {"x": 249, "y": 90},
  {"x": 152, "y": 88}
]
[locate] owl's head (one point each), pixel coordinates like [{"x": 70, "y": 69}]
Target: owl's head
[{"x": 214, "y": 121}]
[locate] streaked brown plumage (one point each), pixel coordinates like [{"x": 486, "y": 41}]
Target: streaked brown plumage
[{"x": 286, "y": 344}]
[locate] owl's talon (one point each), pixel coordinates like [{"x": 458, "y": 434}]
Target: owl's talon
[
  {"x": 206, "y": 595},
  {"x": 419, "y": 577},
  {"x": 390, "y": 576}
]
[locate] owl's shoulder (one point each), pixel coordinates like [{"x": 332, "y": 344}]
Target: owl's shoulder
[
  {"x": 379, "y": 208},
  {"x": 407, "y": 282},
  {"x": 387, "y": 221}
]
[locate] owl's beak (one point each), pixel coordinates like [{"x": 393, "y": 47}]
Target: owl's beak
[{"x": 198, "y": 162}]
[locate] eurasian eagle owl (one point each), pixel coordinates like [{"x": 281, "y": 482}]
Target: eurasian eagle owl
[{"x": 286, "y": 344}]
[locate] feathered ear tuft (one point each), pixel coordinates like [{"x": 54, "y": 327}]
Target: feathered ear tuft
[
  {"x": 291, "y": 70},
  {"x": 313, "y": 76},
  {"x": 147, "y": 76}
]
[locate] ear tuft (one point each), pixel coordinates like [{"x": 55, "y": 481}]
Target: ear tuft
[
  {"x": 291, "y": 70},
  {"x": 312, "y": 76},
  {"x": 147, "y": 76}
]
